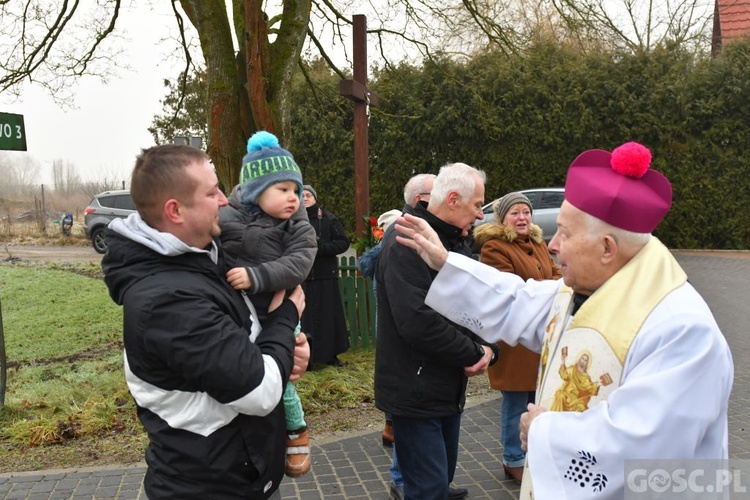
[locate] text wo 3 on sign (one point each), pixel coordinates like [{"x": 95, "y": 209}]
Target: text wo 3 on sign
[{"x": 12, "y": 132}]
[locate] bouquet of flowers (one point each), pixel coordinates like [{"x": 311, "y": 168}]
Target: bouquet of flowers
[{"x": 372, "y": 235}]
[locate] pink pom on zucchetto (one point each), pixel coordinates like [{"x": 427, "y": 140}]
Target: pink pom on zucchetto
[
  {"x": 619, "y": 187},
  {"x": 631, "y": 159}
]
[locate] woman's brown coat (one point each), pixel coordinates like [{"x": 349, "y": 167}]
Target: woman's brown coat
[{"x": 528, "y": 257}]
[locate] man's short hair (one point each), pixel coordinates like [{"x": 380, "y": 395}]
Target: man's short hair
[
  {"x": 596, "y": 227},
  {"x": 416, "y": 185},
  {"x": 159, "y": 174},
  {"x": 458, "y": 177}
]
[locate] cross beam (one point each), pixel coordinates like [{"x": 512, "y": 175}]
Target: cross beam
[{"x": 356, "y": 90}]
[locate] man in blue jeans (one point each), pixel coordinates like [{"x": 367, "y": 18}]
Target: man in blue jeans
[
  {"x": 417, "y": 189},
  {"x": 422, "y": 360}
]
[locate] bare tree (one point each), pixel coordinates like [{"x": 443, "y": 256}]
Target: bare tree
[
  {"x": 107, "y": 182},
  {"x": 28, "y": 169},
  {"x": 249, "y": 56},
  {"x": 19, "y": 173},
  {"x": 52, "y": 43},
  {"x": 65, "y": 178},
  {"x": 640, "y": 25},
  {"x": 251, "y": 53},
  {"x": 8, "y": 179},
  {"x": 72, "y": 179},
  {"x": 58, "y": 175}
]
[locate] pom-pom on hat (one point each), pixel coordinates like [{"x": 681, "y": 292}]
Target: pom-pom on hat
[
  {"x": 501, "y": 206},
  {"x": 619, "y": 188},
  {"x": 264, "y": 164}
]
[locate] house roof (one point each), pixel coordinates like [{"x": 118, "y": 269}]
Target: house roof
[{"x": 734, "y": 17}]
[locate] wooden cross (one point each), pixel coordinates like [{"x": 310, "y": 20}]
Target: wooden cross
[{"x": 356, "y": 90}]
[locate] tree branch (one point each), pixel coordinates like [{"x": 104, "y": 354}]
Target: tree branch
[
  {"x": 188, "y": 61},
  {"x": 58, "y": 42},
  {"x": 324, "y": 54}
]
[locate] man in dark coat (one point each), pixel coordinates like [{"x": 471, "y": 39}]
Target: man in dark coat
[
  {"x": 207, "y": 381},
  {"x": 422, "y": 360}
]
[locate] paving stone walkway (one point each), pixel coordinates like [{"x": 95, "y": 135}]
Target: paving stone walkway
[{"x": 356, "y": 467}]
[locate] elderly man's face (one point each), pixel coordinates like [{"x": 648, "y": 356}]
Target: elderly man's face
[
  {"x": 425, "y": 194},
  {"x": 467, "y": 212},
  {"x": 578, "y": 252}
]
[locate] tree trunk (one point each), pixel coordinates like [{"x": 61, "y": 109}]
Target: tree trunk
[
  {"x": 226, "y": 132},
  {"x": 255, "y": 36},
  {"x": 248, "y": 91},
  {"x": 283, "y": 55}
]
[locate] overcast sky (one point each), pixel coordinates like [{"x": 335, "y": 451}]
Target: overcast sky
[{"x": 109, "y": 127}]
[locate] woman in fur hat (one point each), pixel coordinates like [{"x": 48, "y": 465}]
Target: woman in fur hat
[{"x": 512, "y": 243}]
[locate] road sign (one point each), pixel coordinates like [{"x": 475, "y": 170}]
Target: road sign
[{"x": 12, "y": 132}]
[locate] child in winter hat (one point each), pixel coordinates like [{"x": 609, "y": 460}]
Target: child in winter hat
[
  {"x": 266, "y": 163},
  {"x": 271, "y": 246}
]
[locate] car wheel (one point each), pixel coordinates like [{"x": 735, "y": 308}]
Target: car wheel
[{"x": 98, "y": 241}]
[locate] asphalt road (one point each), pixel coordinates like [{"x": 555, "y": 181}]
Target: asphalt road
[
  {"x": 42, "y": 253},
  {"x": 49, "y": 253}
]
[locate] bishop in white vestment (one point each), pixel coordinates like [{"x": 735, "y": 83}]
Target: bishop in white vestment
[{"x": 633, "y": 364}]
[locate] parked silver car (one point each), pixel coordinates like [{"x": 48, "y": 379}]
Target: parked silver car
[
  {"x": 104, "y": 208},
  {"x": 545, "y": 203}
]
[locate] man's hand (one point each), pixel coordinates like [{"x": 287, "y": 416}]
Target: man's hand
[
  {"x": 238, "y": 278},
  {"x": 481, "y": 365},
  {"x": 301, "y": 357},
  {"x": 526, "y": 419},
  {"x": 417, "y": 234}
]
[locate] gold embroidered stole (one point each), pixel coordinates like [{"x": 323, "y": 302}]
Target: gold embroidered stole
[{"x": 582, "y": 367}]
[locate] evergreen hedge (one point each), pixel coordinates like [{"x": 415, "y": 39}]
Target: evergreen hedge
[{"x": 524, "y": 117}]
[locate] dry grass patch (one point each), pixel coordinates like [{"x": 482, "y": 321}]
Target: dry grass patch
[{"x": 67, "y": 403}]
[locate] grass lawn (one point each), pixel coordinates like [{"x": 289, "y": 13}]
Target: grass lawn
[{"x": 66, "y": 401}]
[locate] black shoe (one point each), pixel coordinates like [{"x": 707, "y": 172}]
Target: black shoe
[
  {"x": 336, "y": 362},
  {"x": 457, "y": 493},
  {"x": 397, "y": 492}
]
